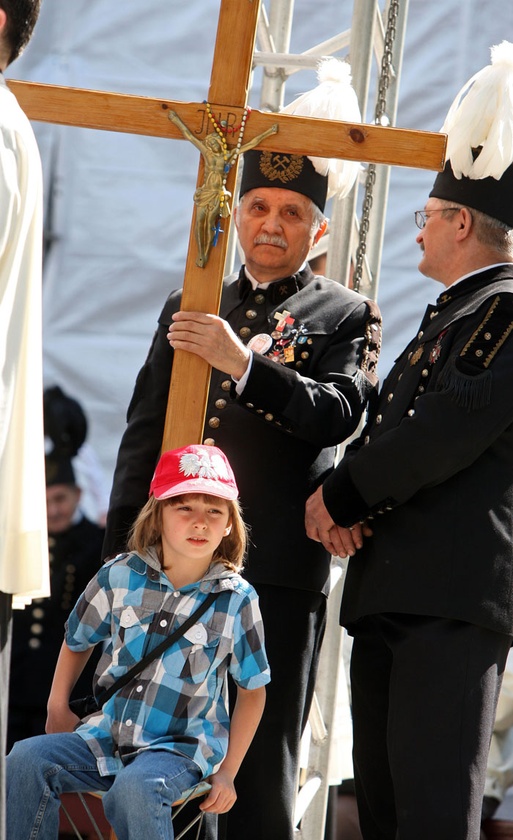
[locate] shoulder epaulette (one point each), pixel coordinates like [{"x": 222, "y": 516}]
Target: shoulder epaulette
[{"x": 489, "y": 337}]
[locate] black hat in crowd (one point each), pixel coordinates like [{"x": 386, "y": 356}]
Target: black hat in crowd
[
  {"x": 317, "y": 178},
  {"x": 65, "y": 427},
  {"x": 65, "y": 423},
  {"x": 58, "y": 470},
  {"x": 479, "y": 125}
]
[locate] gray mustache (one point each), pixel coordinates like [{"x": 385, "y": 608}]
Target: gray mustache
[{"x": 267, "y": 239}]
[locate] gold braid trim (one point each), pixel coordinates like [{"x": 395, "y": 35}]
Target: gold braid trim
[
  {"x": 481, "y": 326},
  {"x": 498, "y": 345}
]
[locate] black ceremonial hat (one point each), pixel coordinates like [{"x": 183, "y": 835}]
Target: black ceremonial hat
[
  {"x": 288, "y": 172},
  {"x": 64, "y": 421},
  {"x": 489, "y": 195},
  {"x": 58, "y": 470},
  {"x": 479, "y": 126}
]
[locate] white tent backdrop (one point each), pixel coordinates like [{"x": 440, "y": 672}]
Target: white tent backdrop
[{"x": 118, "y": 207}]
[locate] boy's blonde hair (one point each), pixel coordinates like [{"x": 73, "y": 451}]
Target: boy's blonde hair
[{"x": 147, "y": 530}]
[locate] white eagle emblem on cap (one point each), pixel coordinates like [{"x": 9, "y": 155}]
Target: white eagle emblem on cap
[{"x": 203, "y": 466}]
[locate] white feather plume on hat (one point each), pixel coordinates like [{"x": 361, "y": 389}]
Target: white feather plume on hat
[
  {"x": 481, "y": 116},
  {"x": 333, "y": 99}
]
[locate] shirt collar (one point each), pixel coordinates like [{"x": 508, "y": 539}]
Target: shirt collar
[
  {"x": 474, "y": 280},
  {"x": 256, "y": 285},
  {"x": 278, "y": 290},
  {"x": 484, "y": 268}
]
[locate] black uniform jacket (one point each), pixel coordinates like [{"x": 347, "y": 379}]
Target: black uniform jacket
[
  {"x": 434, "y": 467},
  {"x": 38, "y": 630},
  {"x": 301, "y": 400}
]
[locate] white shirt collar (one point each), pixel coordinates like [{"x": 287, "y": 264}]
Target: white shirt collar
[
  {"x": 256, "y": 285},
  {"x": 471, "y": 273}
]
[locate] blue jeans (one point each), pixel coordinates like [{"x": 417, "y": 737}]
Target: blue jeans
[{"x": 137, "y": 801}]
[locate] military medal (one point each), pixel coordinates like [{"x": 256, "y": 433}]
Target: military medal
[
  {"x": 286, "y": 338},
  {"x": 437, "y": 349},
  {"x": 283, "y": 319}
]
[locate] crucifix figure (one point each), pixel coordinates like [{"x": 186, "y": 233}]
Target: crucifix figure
[{"x": 211, "y": 198}]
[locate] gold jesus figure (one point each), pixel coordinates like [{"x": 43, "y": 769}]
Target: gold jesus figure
[{"x": 211, "y": 198}]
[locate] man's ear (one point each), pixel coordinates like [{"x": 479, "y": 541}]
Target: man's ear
[{"x": 466, "y": 223}]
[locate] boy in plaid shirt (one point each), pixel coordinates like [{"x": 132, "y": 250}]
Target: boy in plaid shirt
[{"x": 169, "y": 727}]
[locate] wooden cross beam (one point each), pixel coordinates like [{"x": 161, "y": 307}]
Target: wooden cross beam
[{"x": 227, "y": 96}]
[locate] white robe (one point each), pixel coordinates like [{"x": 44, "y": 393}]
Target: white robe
[{"x": 24, "y": 568}]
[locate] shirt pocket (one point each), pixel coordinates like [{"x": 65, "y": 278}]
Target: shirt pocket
[
  {"x": 200, "y": 652},
  {"x": 132, "y": 623}
]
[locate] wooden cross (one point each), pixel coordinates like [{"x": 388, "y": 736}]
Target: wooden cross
[{"x": 227, "y": 98}]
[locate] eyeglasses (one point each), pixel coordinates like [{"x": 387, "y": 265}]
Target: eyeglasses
[{"x": 421, "y": 216}]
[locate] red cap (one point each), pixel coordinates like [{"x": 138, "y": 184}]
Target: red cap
[{"x": 194, "y": 469}]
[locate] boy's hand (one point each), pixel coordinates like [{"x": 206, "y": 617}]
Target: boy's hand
[{"x": 222, "y": 794}]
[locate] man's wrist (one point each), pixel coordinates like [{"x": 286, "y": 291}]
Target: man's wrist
[{"x": 240, "y": 381}]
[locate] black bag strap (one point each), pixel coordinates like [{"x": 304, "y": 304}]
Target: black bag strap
[{"x": 156, "y": 652}]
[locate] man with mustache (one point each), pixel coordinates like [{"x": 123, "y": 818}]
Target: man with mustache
[{"x": 293, "y": 358}]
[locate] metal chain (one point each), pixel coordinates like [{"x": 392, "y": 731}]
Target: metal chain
[
  {"x": 380, "y": 118},
  {"x": 387, "y": 62}
]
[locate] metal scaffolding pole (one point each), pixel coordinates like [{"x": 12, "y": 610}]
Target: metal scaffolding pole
[
  {"x": 279, "y": 27},
  {"x": 343, "y": 225}
]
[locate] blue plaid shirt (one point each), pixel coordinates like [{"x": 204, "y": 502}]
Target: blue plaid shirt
[{"x": 179, "y": 701}]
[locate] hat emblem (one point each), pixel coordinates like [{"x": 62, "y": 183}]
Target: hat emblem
[
  {"x": 280, "y": 167},
  {"x": 203, "y": 466}
]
